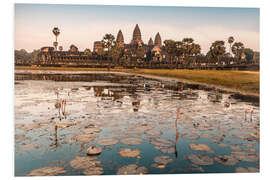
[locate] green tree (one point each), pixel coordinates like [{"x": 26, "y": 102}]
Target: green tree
[
  {"x": 140, "y": 52},
  {"x": 217, "y": 50},
  {"x": 230, "y": 41},
  {"x": 249, "y": 54},
  {"x": 170, "y": 48},
  {"x": 238, "y": 49},
  {"x": 115, "y": 53},
  {"x": 87, "y": 52},
  {"x": 108, "y": 41}
]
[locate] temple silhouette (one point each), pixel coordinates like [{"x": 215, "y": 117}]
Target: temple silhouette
[{"x": 53, "y": 55}]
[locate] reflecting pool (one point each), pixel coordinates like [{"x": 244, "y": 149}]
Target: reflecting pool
[{"x": 142, "y": 126}]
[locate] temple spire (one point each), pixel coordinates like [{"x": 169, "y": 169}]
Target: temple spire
[
  {"x": 120, "y": 39},
  {"x": 150, "y": 42},
  {"x": 158, "y": 41}
]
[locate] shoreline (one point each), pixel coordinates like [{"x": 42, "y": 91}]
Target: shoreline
[{"x": 140, "y": 72}]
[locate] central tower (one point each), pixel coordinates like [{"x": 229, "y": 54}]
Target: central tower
[{"x": 137, "y": 37}]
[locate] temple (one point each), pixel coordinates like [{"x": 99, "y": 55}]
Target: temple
[{"x": 152, "y": 50}]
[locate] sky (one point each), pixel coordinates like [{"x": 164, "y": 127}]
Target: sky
[{"x": 81, "y": 25}]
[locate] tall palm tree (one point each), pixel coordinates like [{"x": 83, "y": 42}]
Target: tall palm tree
[
  {"x": 56, "y": 32},
  {"x": 238, "y": 49},
  {"x": 217, "y": 50},
  {"x": 230, "y": 41}
]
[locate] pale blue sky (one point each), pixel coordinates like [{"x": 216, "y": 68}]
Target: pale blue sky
[{"x": 83, "y": 24}]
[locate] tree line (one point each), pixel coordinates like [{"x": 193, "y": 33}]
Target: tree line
[{"x": 186, "y": 52}]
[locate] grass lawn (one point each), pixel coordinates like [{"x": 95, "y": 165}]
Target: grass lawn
[{"x": 247, "y": 81}]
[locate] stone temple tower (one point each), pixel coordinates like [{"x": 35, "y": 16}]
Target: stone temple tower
[
  {"x": 120, "y": 39},
  {"x": 137, "y": 37},
  {"x": 150, "y": 42},
  {"x": 158, "y": 41}
]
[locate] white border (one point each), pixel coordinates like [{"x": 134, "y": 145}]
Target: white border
[{"x": 7, "y": 42}]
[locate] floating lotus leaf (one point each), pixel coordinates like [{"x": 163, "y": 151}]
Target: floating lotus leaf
[
  {"x": 28, "y": 127},
  {"x": 84, "y": 162},
  {"x": 93, "y": 150},
  {"x": 143, "y": 127},
  {"x": 223, "y": 145},
  {"x": 29, "y": 147},
  {"x": 245, "y": 156},
  {"x": 208, "y": 135},
  {"x": 21, "y": 137},
  {"x": 236, "y": 148},
  {"x": 241, "y": 170},
  {"x": 132, "y": 169},
  {"x": 163, "y": 159},
  {"x": 200, "y": 159},
  {"x": 163, "y": 145},
  {"x": 93, "y": 171},
  {"x": 91, "y": 130},
  {"x": 107, "y": 142},
  {"x": 201, "y": 147},
  {"x": 129, "y": 152},
  {"x": 131, "y": 141},
  {"x": 85, "y": 137},
  {"x": 153, "y": 132},
  {"x": 246, "y": 170},
  {"x": 64, "y": 124},
  {"x": 191, "y": 136},
  {"x": 226, "y": 160},
  {"x": 47, "y": 171}
]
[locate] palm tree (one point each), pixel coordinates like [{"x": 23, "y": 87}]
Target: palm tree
[
  {"x": 108, "y": 42},
  {"x": 230, "y": 41},
  {"x": 56, "y": 32},
  {"x": 115, "y": 53},
  {"x": 170, "y": 48},
  {"x": 217, "y": 50},
  {"x": 238, "y": 49}
]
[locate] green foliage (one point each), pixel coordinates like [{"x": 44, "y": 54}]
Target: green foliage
[
  {"x": 217, "y": 50},
  {"x": 108, "y": 41},
  {"x": 115, "y": 52},
  {"x": 23, "y": 57},
  {"x": 87, "y": 52},
  {"x": 140, "y": 52},
  {"x": 249, "y": 54},
  {"x": 238, "y": 49}
]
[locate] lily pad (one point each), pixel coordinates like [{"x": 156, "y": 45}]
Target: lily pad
[
  {"x": 93, "y": 171},
  {"x": 29, "y": 147},
  {"x": 201, "y": 147},
  {"x": 247, "y": 170},
  {"x": 200, "y": 159},
  {"x": 226, "y": 160},
  {"x": 84, "y": 162},
  {"x": 163, "y": 159},
  {"x": 163, "y": 145},
  {"x": 107, "y": 141},
  {"x": 91, "y": 130},
  {"x": 245, "y": 156},
  {"x": 131, "y": 141},
  {"x": 129, "y": 152},
  {"x": 153, "y": 132},
  {"x": 144, "y": 127},
  {"x": 191, "y": 136},
  {"x": 47, "y": 171},
  {"x": 21, "y": 137},
  {"x": 132, "y": 169},
  {"x": 64, "y": 124},
  {"x": 85, "y": 137}
]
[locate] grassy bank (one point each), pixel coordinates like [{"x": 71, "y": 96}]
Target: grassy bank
[{"x": 247, "y": 81}]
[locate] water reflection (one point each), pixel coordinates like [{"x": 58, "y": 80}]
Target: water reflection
[{"x": 157, "y": 117}]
